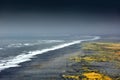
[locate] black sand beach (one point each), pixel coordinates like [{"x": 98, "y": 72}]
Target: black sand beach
[
  {"x": 47, "y": 66},
  {"x": 59, "y": 39},
  {"x": 53, "y": 64}
]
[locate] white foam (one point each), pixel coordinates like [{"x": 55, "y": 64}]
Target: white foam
[
  {"x": 50, "y": 41},
  {"x": 1, "y": 48},
  {"x": 17, "y": 45},
  {"x": 15, "y": 61}
]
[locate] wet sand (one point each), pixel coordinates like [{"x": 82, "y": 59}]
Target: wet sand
[
  {"x": 47, "y": 66},
  {"x": 53, "y": 64}
]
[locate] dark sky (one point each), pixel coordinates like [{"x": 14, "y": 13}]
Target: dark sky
[
  {"x": 59, "y": 17},
  {"x": 60, "y": 5}
]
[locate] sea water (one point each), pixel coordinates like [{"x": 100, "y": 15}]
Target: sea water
[{"x": 15, "y": 51}]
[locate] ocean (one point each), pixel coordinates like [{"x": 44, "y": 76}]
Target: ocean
[{"x": 13, "y": 52}]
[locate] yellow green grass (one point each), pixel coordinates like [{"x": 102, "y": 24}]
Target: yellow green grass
[
  {"x": 102, "y": 52},
  {"x": 88, "y": 75}
]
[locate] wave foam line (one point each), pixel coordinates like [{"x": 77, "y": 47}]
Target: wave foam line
[{"x": 15, "y": 61}]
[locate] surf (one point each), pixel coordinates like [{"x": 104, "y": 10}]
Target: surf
[{"x": 15, "y": 61}]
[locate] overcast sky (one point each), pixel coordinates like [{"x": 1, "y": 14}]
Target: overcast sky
[{"x": 58, "y": 17}]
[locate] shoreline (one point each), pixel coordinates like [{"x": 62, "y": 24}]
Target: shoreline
[
  {"x": 51, "y": 63},
  {"x": 100, "y": 61}
]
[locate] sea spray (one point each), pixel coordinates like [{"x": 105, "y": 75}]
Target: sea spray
[{"x": 15, "y": 61}]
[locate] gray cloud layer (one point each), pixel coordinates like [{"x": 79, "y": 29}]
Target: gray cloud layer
[{"x": 56, "y": 24}]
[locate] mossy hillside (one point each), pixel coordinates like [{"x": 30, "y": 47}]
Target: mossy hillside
[{"x": 101, "y": 52}]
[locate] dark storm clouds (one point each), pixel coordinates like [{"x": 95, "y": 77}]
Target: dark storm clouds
[
  {"x": 58, "y": 17},
  {"x": 60, "y": 5}
]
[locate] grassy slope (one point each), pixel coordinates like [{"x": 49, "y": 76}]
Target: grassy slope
[{"x": 101, "y": 61}]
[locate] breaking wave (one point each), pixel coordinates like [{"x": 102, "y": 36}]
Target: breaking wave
[
  {"x": 15, "y": 61},
  {"x": 17, "y": 45}
]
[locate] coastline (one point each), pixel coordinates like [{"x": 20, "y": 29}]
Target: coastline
[
  {"x": 43, "y": 67},
  {"x": 100, "y": 60},
  {"x": 53, "y": 65}
]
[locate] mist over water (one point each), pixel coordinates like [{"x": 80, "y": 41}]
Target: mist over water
[
  {"x": 35, "y": 25},
  {"x": 35, "y": 18},
  {"x": 38, "y": 36},
  {"x": 24, "y": 55}
]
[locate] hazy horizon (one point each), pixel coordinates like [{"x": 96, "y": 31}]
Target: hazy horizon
[{"x": 55, "y": 18}]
